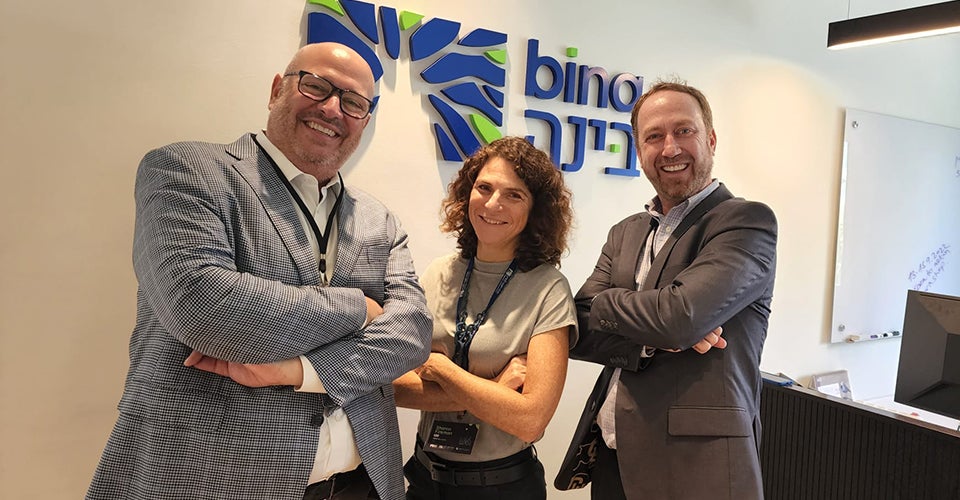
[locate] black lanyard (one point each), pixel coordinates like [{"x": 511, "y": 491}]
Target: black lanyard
[
  {"x": 324, "y": 237},
  {"x": 464, "y": 335},
  {"x": 654, "y": 224}
]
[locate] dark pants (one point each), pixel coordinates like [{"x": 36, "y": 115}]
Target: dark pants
[
  {"x": 422, "y": 487},
  {"x": 353, "y": 485},
  {"x": 605, "y": 483}
]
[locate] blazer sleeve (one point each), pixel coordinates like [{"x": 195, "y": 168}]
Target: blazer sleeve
[
  {"x": 187, "y": 272},
  {"x": 731, "y": 265},
  {"x": 595, "y": 345},
  {"x": 394, "y": 343}
]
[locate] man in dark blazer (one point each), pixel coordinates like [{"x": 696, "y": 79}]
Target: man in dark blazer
[
  {"x": 275, "y": 308},
  {"x": 678, "y": 424}
]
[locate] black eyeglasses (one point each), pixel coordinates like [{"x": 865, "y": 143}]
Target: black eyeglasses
[{"x": 320, "y": 89}]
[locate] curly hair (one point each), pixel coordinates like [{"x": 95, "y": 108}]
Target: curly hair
[{"x": 544, "y": 239}]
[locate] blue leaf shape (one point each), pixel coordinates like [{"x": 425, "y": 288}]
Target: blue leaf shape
[
  {"x": 469, "y": 94},
  {"x": 495, "y": 95},
  {"x": 462, "y": 133},
  {"x": 364, "y": 16},
  {"x": 483, "y": 38},
  {"x": 452, "y": 66},
  {"x": 447, "y": 148},
  {"x": 431, "y": 37},
  {"x": 391, "y": 31}
]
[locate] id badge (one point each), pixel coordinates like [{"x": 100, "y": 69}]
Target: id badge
[{"x": 452, "y": 436}]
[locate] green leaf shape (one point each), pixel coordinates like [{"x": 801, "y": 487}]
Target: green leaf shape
[
  {"x": 408, "y": 19},
  {"x": 487, "y": 130},
  {"x": 498, "y": 56},
  {"x": 333, "y": 5}
]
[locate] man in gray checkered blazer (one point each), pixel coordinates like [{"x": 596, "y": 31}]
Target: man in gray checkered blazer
[{"x": 266, "y": 342}]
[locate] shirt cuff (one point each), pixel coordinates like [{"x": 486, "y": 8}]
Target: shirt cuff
[
  {"x": 311, "y": 381},
  {"x": 647, "y": 352}
]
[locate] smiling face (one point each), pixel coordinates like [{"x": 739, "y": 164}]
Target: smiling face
[
  {"x": 674, "y": 146},
  {"x": 316, "y": 136},
  {"x": 500, "y": 204}
]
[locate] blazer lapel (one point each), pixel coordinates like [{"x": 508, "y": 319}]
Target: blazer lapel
[
  {"x": 257, "y": 170},
  {"x": 656, "y": 269},
  {"x": 349, "y": 236},
  {"x": 634, "y": 239}
]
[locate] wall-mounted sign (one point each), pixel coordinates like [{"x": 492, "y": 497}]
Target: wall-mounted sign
[{"x": 469, "y": 73}]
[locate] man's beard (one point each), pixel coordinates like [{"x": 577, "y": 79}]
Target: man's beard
[
  {"x": 326, "y": 165},
  {"x": 678, "y": 192}
]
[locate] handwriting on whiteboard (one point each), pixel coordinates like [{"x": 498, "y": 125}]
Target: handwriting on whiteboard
[{"x": 926, "y": 274}]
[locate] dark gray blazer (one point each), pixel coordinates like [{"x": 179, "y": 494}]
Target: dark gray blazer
[
  {"x": 688, "y": 425},
  {"x": 224, "y": 267}
]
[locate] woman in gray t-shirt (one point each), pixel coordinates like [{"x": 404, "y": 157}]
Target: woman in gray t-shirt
[{"x": 504, "y": 319}]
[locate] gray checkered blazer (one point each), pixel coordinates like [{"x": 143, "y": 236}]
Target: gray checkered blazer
[{"x": 224, "y": 267}]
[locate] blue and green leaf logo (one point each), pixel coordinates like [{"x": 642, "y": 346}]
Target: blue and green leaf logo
[{"x": 470, "y": 73}]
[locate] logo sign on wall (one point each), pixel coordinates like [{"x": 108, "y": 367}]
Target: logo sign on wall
[{"x": 469, "y": 71}]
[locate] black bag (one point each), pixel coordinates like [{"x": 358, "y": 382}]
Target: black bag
[{"x": 581, "y": 456}]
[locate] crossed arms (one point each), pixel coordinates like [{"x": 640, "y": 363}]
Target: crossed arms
[
  {"x": 731, "y": 266},
  {"x": 215, "y": 272}
]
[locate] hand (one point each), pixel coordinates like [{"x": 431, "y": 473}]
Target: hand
[
  {"x": 713, "y": 339},
  {"x": 436, "y": 363},
  {"x": 514, "y": 374},
  {"x": 373, "y": 310},
  {"x": 286, "y": 372}
]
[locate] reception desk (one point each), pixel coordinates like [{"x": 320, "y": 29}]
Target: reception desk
[{"x": 819, "y": 447}]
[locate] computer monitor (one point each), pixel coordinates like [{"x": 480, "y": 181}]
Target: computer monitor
[{"x": 929, "y": 374}]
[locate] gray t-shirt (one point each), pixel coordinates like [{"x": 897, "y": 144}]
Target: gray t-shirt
[{"x": 533, "y": 302}]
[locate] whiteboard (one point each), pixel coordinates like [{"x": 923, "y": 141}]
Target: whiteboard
[{"x": 899, "y": 221}]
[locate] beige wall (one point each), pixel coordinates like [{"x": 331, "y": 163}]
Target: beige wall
[{"x": 88, "y": 87}]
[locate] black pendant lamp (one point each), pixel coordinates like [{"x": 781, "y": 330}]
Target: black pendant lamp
[{"x": 927, "y": 20}]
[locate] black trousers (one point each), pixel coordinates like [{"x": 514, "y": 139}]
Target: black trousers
[
  {"x": 422, "y": 487},
  {"x": 353, "y": 485},
  {"x": 605, "y": 482}
]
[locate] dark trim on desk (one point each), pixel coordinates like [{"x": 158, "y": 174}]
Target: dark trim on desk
[{"x": 816, "y": 446}]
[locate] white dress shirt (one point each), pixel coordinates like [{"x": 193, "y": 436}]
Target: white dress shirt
[{"x": 337, "y": 448}]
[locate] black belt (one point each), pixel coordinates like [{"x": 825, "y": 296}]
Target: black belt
[
  {"x": 335, "y": 483},
  {"x": 461, "y": 473}
]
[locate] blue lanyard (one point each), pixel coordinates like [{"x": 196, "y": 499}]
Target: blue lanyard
[{"x": 463, "y": 337}]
